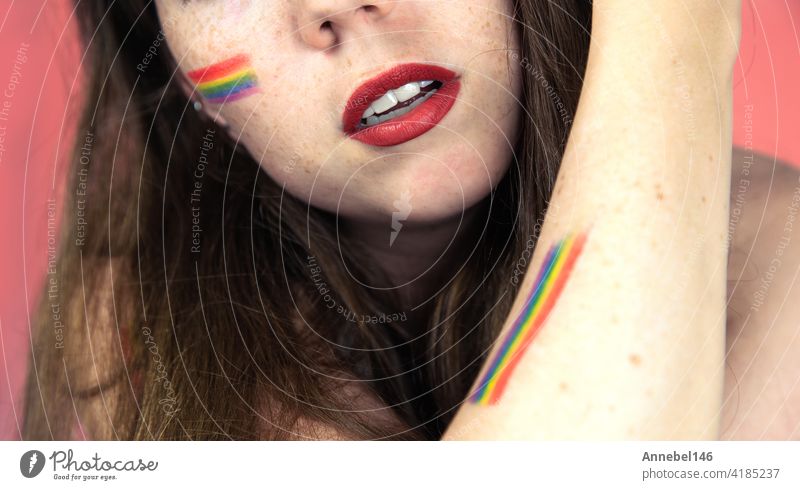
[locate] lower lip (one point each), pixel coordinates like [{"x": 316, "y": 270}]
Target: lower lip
[{"x": 416, "y": 123}]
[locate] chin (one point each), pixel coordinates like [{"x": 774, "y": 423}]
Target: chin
[{"x": 438, "y": 183}]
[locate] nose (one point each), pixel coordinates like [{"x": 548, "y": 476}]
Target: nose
[{"x": 323, "y": 24}]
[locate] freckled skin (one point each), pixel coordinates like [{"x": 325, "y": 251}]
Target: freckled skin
[{"x": 297, "y": 115}]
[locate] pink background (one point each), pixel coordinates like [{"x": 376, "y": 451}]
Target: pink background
[{"x": 38, "y": 132}]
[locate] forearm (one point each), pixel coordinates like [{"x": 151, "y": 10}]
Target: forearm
[{"x": 632, "y": 345}]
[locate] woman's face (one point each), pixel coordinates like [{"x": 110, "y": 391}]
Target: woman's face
[{"x": 288, "y": 76}]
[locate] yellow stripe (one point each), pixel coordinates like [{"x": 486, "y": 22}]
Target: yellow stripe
[
  {"x": 551, "y": 278},
  {"x": 548, "y": 286},
  {"x": 222, "y": 81}
]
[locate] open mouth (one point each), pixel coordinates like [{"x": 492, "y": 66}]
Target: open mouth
[
  {"x": 400, "y": 104},
  {"x": 399, "y": 101}
]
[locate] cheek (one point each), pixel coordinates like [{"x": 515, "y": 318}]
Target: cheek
[
  {"x": 221, "y": 47},
  {"x": 235, "y": 10},
  {"x": 300, "y": 165}
]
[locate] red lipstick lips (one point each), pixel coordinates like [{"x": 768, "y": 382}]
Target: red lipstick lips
[{"x": 408, "y": 126}]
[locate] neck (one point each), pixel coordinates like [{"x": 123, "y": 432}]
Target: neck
[{"x": 416, "y": 259}]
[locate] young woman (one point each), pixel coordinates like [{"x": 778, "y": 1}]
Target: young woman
[{"x": 334, "y": 219}]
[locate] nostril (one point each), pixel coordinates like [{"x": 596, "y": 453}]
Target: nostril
[
  {"x": 327, "y": 25},
  {"x": 369, "y": 8}
]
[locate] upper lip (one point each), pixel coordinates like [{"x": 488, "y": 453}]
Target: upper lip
[{"x": 374, "y": 88}]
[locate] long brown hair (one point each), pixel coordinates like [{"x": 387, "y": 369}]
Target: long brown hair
[{"x": 198, "y": 313}]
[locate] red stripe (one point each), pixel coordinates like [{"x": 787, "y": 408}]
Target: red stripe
[
  {"x": 220, "y": 69},
  {"x": 545, "y": 312}
]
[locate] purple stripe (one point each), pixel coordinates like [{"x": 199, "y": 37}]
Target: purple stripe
[
  {"x": 530, "y": 302},
  {"x": 235, "y": 96}
]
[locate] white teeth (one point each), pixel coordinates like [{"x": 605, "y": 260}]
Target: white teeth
[
  {"x": 395, "y": 96},
  {"x": 373, "y": 120},
  {"x": 407, "y": 91},
  {"x": 384, "y": 103}
]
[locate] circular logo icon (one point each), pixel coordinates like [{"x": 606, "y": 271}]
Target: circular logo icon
[{"x": 31, "y": 463}]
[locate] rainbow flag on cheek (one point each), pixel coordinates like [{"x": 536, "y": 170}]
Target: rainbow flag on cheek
[{"x": 227, "y": 80}]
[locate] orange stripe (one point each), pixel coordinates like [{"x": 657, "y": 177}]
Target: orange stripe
[{"x": 220, "y": 69}]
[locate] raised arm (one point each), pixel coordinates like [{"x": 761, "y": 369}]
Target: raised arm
[{"x": 618, "y": 328}]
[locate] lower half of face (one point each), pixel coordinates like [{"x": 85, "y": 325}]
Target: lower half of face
[{"x": 411, "y": 109}]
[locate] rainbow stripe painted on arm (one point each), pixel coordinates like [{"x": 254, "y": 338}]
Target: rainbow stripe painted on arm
[
  {"x": 227, "y": 80},
  {"x": 550, "y": 281}
]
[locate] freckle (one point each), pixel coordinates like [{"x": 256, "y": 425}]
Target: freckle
[
  {"x": 611, "y": 408},
  {"x": 635, "y": 359},
  {"x": 562, "y": 386},
  {"x": 710, "y": 158},
  {"x": 659, "y": 193},
  {"x": 704, "y": 198}
]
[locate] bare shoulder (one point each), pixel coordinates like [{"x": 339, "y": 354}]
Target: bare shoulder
[
  {"x": 762, "y": 377},
  {"x": 765, "y": 231}
]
